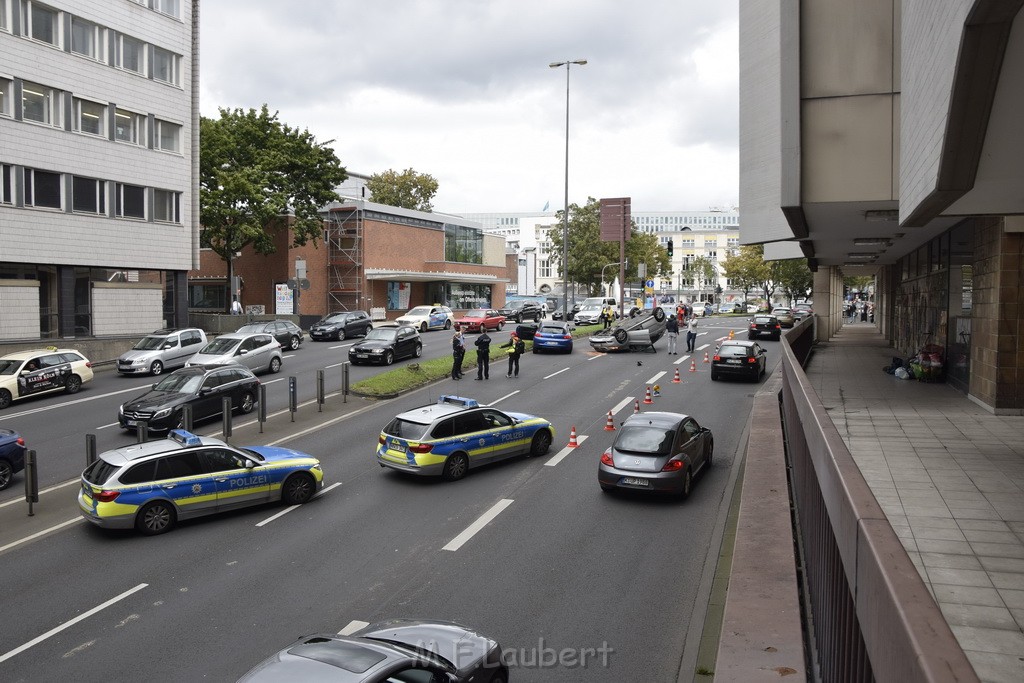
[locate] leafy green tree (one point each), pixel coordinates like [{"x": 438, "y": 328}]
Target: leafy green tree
[
  {"x": 254, "y": 170},
  {"x": 703, "y": 272},
  {"x": 795, "y": 278},
  {"x": 406, "y": 190},
  {"x": 747, "y": 268}
]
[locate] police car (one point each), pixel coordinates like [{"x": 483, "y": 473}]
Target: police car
[
  {"x": 151, "y": 486},
  {"x": 423, "y": 318},
  {"x": 42, "y": 371},
  {"x": 455, "y": 434}
]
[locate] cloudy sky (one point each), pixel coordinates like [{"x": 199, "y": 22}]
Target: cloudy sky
[{"x": 461, "y": 89}]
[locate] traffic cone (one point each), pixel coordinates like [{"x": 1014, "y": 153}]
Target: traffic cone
[
  {"x": 731, "y": 335},
  {"x": 609, "y": 426},
  {"x": 706, "y": 359},
  {"x": 693, "y": 366},
  {"x": 647, "y": 398},
  {"x": 676, "y": 378},
  {"x": 636, "y": 407},
  {"x": 572, "y": 438}
]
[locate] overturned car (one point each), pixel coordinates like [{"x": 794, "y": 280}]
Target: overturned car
[{"x": 635, "y": 333}]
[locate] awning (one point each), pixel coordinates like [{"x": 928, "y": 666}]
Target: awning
[{"x": 430, "y": 276}]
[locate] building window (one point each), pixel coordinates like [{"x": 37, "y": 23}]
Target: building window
[
  {"x": 128, "y": 127},
  {"x": 165, "y": 66},
  {"x": 42, "y": 23},
  {"x": 6, "y": 197},
  {"x": 545, "y": 269},
  {"x": 42, "y": 189},
  {"x": 86, "y": 39},
  {"x": 90, "y": 117},
  {"x": 168, "y": 136},
  {"x": 131, "y": 54},
  {"x": 5, "y": 95},
  {"x": 165, "y": 206},
  {"x": 89, "y": 195},
  {"x": 463, "y": 244},
  {"x": 130, "y": 201},
  {"x": 170, "y": 7},
  {"x": 39, "y": 103},
  {"x": 5, "y": 22}
]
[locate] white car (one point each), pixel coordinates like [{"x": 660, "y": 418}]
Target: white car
[
  {"x": 42, "y": 371},
  {"x": 425, "y": 318}
]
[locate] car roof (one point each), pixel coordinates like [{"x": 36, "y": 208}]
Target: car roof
[
  {"x": 173, "y": 330},
  {"x": 31, "y": 353},
  {"x": 126, "y": 454},
  {"x": 446, "y": 405},
  {"x": 655, "y": 419},
  {"x": 737, "y": 342},
  {"x": 240, "y": 335}
]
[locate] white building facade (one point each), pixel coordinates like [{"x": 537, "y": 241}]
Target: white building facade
[{"x": 98, "y": 176}]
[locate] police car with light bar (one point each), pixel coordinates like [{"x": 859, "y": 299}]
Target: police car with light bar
[
  {"x": 153, "y": 485},
  {"x": 455, "y": 434}
]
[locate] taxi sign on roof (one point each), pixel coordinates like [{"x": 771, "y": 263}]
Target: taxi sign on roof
[
  {"x": 451, "y": 399},
  {"x": 183, "y": 438}
]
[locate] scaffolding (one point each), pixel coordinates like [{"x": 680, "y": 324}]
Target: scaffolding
[{"x": 344, "y": 259}]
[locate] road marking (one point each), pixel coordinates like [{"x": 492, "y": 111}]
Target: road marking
[
  {"x": 580, "y": 438},
  {"x": 279, "y": 379},
  {"x": 32, "y": 411},
  {"x": 112, "y": 424},
  {"x": 622, "y": 404},
  {"x": 290, "y": 355},
  {"x": 476, "y": 526},
  {"x": 38, "y": 534},
  {"x": 701, "y": 348},
  {"x": 654, "y": 379},
  {"x": 681, "y": 360},
  {"x": 336, "y": 365},
  {"x": 509, "y": 395},
  {"x": 555, "y": 373},
  {"x": 352, "y": 627},
  {"x": 72, "y": 622},
  {"x": 288, "y": 509}
]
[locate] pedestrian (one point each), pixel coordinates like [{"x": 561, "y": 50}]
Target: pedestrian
[
  {"x": 458, "y": 353},
  {"x": 516, "y": 348},
  {"x": 483, "y": 355},
  {"x": 672, "y": 330},
  {"x": 691, "y": 334},
  {"x": 236, "y": 307},
  {"x": 864, "y": 313},
  {"x": 606, "y": 316}
]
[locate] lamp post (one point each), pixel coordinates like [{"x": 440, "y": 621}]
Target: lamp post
[{"x": 565, "y": 216}]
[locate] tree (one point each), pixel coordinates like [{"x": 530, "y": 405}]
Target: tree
[
  {"x": 253, "y": 170},
  {"x": 703, "y": 271},
  {"x": 795, "y": 278},
  {"x": 406, "y": 190},
  {"x": 747, "y": 268}
]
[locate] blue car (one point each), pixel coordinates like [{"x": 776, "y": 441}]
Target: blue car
[
  {"x": 553, "y": 336},
  {"x": 449, "y": 437},
  {"x": 151, "y": 486},
  {"x": 12, "y": 456}
]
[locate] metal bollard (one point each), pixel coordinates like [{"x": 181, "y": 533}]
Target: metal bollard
[
  {"x": 261, "y": 414},
  {"x": 142, "y": 431},
  {"x": 90, "y": 449},
  {"x": 186, "y": 417},
  {"x": 225, "y": 406},
  {"x": 320, "y": 391},
  {"x": 31, "y": 481},
  {"x": 293, "y": 397},
  {"x": 344, "y": 382}
]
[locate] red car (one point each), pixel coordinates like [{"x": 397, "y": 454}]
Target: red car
[{"x": 481, "y": 319}]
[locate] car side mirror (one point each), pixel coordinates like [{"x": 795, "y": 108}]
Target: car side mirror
[
  {"x": 205, "y": 391},
  {"x": 168, "y": 346},
  {"x": 242, "y": 352}
]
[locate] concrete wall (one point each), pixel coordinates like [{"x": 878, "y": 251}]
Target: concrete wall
[
  {"x": 120, "y": 308},
  {"x": 19, "y": 309}
]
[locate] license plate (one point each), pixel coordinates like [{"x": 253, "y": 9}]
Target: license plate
[
  {"x": 132, "y": 423},
  {"x": 734, "y": 361},
  {"x": 362, "y": 355},
  {"x": 633, "y": 481}
]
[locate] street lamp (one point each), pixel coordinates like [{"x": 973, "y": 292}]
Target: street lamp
[{"x": 565, "y": 226}]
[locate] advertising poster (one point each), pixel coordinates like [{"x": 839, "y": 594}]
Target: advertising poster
[
  {"x": 283, "y": 300},
  {"x": 398, "y": 295}
]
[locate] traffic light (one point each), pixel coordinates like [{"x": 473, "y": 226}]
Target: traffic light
[{"x": 670, "y": 245}]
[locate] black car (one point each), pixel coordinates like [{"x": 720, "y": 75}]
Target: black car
[
  {"x": 386, "y": 344},
  {"x": 739, "y": 359},
  {"x": 558, "y": 313},
  {"x": 522, "y": 310},
  {"x": 526, "y": 330},
  {"x": 338, "y": 326},
  {"x": 12, "y": 456},
  {"x": 766, "y": 325},
  {"x": 201, "y": 386},
  {"x": 287, "y": 333}
]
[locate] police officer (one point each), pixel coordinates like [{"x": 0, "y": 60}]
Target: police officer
[{"x": 483, "y": 355}]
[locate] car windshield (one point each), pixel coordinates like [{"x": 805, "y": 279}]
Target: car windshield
[
  {"x": 420, "y": 311},
  {"x": 219, "y": 347},
  {"x": 733, "y": 351},
  {"x": 331, "y": 319},
  {"x": 780, "y": 311},
  {"x": 477, "y": 313},
  {"x": 149, "y": 343},
  {"x": 382, "y": 333},
  {"x": 179, "y": 384},
  {"x": 9, "y": 367},
  {"x": 551, "y": 329},
  {"x": 406, "y": 429},
  {"x": 250, "y": 329},
  {"x": 644, "y": 439},
  {"x": 762, "y": 319}
]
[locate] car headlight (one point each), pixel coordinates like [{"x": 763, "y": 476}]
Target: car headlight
[
  {"x": 139, "y": 361},
  {"x": 161, "y": 413},
  {"x": 120, "y": 409},
  {"x": 378, "y": 351}
]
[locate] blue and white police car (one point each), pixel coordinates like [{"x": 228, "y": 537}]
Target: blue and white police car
[
  {"x": 455, "y": 434},
  {"x": 151, "y": 486}
]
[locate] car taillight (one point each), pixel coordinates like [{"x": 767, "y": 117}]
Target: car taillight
[
  {"x": 778, "y": 327},
  {"x": 568, "y": 336},
  {"x": 21, "y": 442},
  {"x": 672, "y": 466},
  {"x": 606, "y": 458},
  {"x": 106, "y": 496},
  {"x": 421, "y": 448},
  {"x": 716, "y": 358},
  {"x": 752, "y": 360},
  {"x": 88, "y": 364},
  {"x": 381, "y": 439}
]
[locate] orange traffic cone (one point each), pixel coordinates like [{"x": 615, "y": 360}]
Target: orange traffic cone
[
  {"x": 572, "y": 438},
  {"x": 706, "y": 359},
  {"x": 609, "y": 426},
  {"x": 731, "y": 335},
  {"x": 636, "y": 407},
  {"x": 676, "y": 378},
  {"x": 647, "y": 398},
  {"x": 693, "y": 366}
]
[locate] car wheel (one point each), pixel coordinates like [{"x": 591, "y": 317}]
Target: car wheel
[
  {"x": 687, "y": 484},
  {"x": 297, "y": 489},
  {"x": 5, "y": 398},
  {"x": 156, "y": 368},
  {"x": 275, "y": 365},
  {"x": 500, "y": 325},
  {"x": 541, "y": 443},
  {"x": 341, "y": 335},
  {"x": 423, "y": 328},
  {"x": 714, "y": 376},
  {"x": 659, "y": 314},
  {"x": 537, "y": 319},
  {"x": 367, "y": 330},
  {"x": 6, "y": 474},
  {"x": 248, "y": 403},
  {"x": 499, "y": 677},
  {"x": 294, "y": 344},
  {"x": 447, "y": 324},
  {"x": 455, "y": 467},
  {"x": 73, "y": 384},
  {"x": 155, "y": 518},
  {"x": 419, "y": 350},
  {"x": 389, "y": 357},
  {"x": 621, "y": 336}
]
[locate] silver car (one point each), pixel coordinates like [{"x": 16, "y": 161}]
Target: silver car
[
  {"x": 163, "y": 350},
  {"x": 258, "y": 352}
]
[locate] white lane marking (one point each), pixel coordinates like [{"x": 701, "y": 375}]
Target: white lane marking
[
  {"x": 72, "y": 622},
  {"x": 701, "y": 348},
  {"x": 70, "y": 482},
  {"x": 479, "y": 524},
  {"x": 510, "y": 395},
  {"x": 32, "y": 411},
  {"x": 658, "y": 376},
  {"x": 622, "y": 404},
  {"x": 38, "y": 534},
  {"x": 556, "y": 373},
  {"x": 288, "y": 509},
  {"x": 290, "y": 355},
  {"x": 341, "y": 346},
  {"x": 279, "y": 379},
  {"x": 336, "y": 365},
  {"x": 112, "y": 424},
  {"x": 580, "y": 438},
  {"x": 352, "y": 627},
  {"x": 681, "y": 360}
]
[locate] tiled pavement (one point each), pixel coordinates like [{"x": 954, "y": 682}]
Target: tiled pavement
[{"x": 950, "y": 477}]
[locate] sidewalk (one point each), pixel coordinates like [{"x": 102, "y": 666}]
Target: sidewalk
[{"x": 950, "y": 477}]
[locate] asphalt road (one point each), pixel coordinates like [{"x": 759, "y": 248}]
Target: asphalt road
[{"x": 575, "y": 584}]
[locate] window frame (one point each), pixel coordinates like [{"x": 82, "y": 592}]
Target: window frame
[
  {"x": 119, "y": 56},
  {"x": 52, "y": 106},
  {"x": 119, "y": 201},
  {"x": 29, "y": 23},
  {"x": 173, "y": 205},
  {"x": 173, "y": 64},
  {"x": 97, "y": 51},
  {"x": 76, "y": 118},
  {"x": 99, "y": 196},
  {"x": 6, "y": 94},
  {"x": 161, "y": 7},
  {"x": 6, "y": 184},
  {"x": 138, "y": 123},
  {"x": 158, "y": 134},
  {"x": 31, "y": 183}
]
